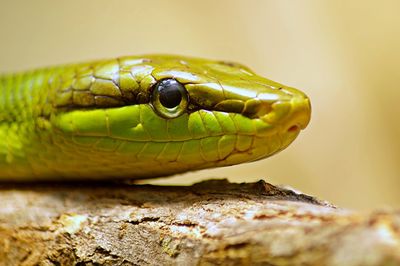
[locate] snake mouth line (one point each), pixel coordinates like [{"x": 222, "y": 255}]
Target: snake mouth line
[
  {"x": 258, "y": 148},
  {"x": 116, "y": 138}
]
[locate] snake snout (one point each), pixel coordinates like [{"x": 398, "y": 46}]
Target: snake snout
[
  {"x": 293, "y": 115},
  {"x": 299, "y": 115}
]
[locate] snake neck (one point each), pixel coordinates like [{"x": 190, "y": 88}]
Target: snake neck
[{"x": 24, "y": 112}]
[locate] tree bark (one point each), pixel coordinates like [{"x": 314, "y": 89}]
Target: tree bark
[{"x": 209, "y": 223}]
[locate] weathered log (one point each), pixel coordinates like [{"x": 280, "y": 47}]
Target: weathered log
[{"x": 212, "y": 222}]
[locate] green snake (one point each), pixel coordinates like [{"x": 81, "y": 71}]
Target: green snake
[{"x": 142, "y": 117}]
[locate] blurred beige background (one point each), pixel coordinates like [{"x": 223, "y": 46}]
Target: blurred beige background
[{"x": 344, "y": 54}]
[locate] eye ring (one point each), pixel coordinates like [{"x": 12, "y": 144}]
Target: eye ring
[{"x": 169, "y": 98}]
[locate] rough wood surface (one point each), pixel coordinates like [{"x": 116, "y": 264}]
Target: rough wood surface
[{"x": 213, "y": 222}]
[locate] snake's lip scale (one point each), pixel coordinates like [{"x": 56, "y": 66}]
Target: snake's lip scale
[{"x": 109, "y": 119}]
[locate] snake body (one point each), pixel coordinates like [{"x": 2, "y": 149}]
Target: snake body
[{"x": 105, "y": 119}]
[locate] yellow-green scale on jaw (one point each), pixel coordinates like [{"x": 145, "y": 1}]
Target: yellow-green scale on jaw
[{"x": 112, "y": 119}]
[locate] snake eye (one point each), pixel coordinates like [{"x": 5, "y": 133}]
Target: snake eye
[{"x": 169, "y": 98}]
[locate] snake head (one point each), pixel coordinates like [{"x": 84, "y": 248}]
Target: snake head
[{"x": 158, "y": 115}]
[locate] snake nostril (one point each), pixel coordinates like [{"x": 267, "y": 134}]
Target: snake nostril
[{"x": 293, "y": 128}]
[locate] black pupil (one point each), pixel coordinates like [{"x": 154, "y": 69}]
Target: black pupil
[{"x": 170, "y": 93}]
